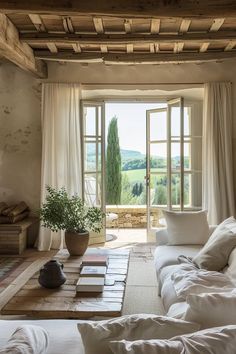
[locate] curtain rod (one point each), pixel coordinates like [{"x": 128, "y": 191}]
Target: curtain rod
[{"x": 122, "y": 83}]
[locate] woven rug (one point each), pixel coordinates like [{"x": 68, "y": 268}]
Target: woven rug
[{"x": 9, "y": 265}]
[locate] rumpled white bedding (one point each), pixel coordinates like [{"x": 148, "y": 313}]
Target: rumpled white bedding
[
  {"x": 197, "y": 281},
  {"x": 27, "y": 340}
]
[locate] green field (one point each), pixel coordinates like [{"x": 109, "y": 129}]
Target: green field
[{"x": 137, "y": 175}]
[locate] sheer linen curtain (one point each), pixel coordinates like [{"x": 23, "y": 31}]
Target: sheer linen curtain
[
  {"x": 218, "y": 193},
  {"x": 61, "y": 148}
]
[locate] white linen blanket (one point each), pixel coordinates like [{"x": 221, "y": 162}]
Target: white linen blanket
[{"x": 199, "y": 281}]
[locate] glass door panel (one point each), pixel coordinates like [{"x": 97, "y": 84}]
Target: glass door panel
[
  {"x": 93, "y": 161},
  {"x": 176, "y": 153},
  {"x": 156, "y": 174}
]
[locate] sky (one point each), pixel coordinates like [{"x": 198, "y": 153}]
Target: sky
[
  {"x": 132, "y": 127},
  {"x": 131, "y": 123}
]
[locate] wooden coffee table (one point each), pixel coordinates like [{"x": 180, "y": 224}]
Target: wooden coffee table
[{"x": 35, "y": 301}]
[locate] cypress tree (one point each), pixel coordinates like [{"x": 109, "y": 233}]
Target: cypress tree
[{"x": 113, "y": 165}]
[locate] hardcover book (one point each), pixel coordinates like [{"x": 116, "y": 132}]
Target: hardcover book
[
  {"x": 90, "y": 284},
  {"x": 95, "y": 260},
  {"x": 93, "y": 271}
]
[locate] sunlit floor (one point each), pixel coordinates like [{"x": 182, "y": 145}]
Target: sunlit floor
[{"x": 125, "y": 237}]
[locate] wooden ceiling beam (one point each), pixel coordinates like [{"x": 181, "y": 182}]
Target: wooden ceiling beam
[
  {"x": 12, "y": 49},
  {"x": 126, "y": 8},
  {"x": 76, "y": 48},
  {"x": 52, "y": 47},
  {"x": 98, "y": 24},
  {"x": 128, "y": 25},
  {"x": 42, "y": 38},
  {"x": 37, "y": 22},
  {"x": 68, "y": 25},
  {"x": 155, "y": 25},
  {"x": 132, "y": 58},
  {"x": 204, "y": 47},
  {"x": 217, "y": 23},
  {"x": 230, "y": 46},
  {"x": 184, "y": 26}
]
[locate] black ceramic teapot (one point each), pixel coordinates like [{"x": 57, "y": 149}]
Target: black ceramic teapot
[{"x": 51, "y": 275}]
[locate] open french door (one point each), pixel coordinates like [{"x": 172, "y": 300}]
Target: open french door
[
  {"x": 165, "y": 132},
  {"x": 93, "y": 150}
]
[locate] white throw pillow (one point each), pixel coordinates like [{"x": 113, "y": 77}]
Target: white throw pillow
[
  {"x": 187, "y": 228},
  {"x": 219, "y": 340},
  {"x": 211, "y": 310},
  {"x": 27, "y": 340},
  {"x": 215, "y": 254},
  {"x": 96, "y": 335}
]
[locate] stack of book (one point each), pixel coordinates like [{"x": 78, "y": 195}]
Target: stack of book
[{"x": 92, "y": 274}]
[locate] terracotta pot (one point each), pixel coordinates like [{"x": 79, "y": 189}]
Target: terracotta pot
[{"x": 76, "y": 243}]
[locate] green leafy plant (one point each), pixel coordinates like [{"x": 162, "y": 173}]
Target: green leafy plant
[{"x": 62, "y": 212}]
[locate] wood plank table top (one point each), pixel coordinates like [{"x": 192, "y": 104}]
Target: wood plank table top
[{"x": 35, "y": 301}]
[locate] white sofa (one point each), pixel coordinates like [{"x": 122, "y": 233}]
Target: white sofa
[
  {"x": 64, "y": 337},
  {"x": 167, "y": 263}
]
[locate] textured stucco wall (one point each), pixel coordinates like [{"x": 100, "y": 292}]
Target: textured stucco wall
[
  {"x": 20, "y": 136},
  {"x": 20, "y": 128}
]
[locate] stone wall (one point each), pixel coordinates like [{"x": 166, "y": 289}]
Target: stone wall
[{"x": 132, "y": 216}]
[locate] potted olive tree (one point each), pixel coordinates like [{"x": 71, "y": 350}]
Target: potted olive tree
[{"x": 62, "y": 212}]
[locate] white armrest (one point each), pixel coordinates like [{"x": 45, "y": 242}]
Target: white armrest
[{"x": 162, "y": 236}]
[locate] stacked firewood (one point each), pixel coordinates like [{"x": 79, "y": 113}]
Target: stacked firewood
[{"x": 10, "y": 214}]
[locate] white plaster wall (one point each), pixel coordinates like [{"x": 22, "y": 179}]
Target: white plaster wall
[
  {"x": 20, "y": 128},
  {"x": 20, "y": 136}
]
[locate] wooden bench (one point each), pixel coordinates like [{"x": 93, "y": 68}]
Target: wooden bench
[{"x": 13, "y": 237}]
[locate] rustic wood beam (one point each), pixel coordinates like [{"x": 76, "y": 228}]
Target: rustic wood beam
[
  {"x": 42, "y": 38},
  {"x": 126, "y": 8},
  {"x": 98, "y": 24},
  {"x": 155, "y": 25},
  {"x": 104, "y": 48},
  {"x": 19, "y": 53},
  {"x": 67, "y": 24},
  {"x": 52, "y": 47},
  {"x": 76, "y": 48},
  {"x": 37, "y": 22},
  {"x": 230, "y": 46},
  {"x": 184, "y": 26},
  {"x": 130, "y": 48},
  {"x": 217, "y": 23},
  {"x": 178, "y": 47},
  {"x": 204, "y": 47},
  {"x": 151, "y": 58},
  {"x": 128, "y": 25}
]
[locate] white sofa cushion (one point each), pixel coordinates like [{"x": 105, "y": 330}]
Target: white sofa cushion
[
  {"x": 27, "y": 340},
  {"x": 187, "y": 228},
  {"x": 215, "y": 253},
  {"x": 97, "y": 335},
  {"x": 168, "y": 255},
  {"x": 211, "y": 310},
  {"x": 230, "y": 270},
  {"x": 177, "y": 310},
  {"x": 209, "y": 341},
  {"x": 63, "y": 334}
]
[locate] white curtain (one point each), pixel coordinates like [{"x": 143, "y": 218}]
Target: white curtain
[
  {"x": 218, "y": 193},
  {"x": 61, "y": 148}
]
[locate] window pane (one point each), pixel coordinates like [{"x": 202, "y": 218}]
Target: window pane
[
  {"x": 187, "y": 112},
  {"x": 175, "y": 190},
  {"x": 175, "y": 121},
  {"x": 196, "y": 189},
  {"x": 90, "y": 121},
  {"x": 187, "y": 190},
  {"x": 158, "y": 157},
  {"x": 90, "y": 157},
  {"x": 158, "y": 184},
  {"x": 187, "y": 156},
  {"x": 158, "y": 126},
  {"x": 92, "y": 189},
  {"x": 175, "y": 156}
]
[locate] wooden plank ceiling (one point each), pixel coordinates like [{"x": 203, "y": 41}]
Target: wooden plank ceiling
[{"x": 134, "y": 32}]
